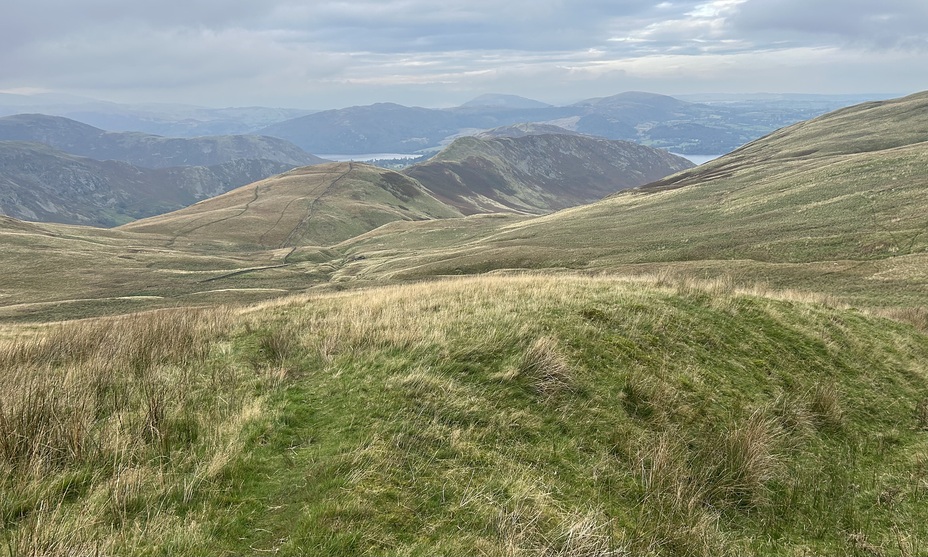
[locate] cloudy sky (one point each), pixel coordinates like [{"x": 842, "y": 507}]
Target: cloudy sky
[{"x": 330, "y": 54}]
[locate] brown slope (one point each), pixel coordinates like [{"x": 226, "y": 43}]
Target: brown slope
[
  {"x": 539, "y": 173},
  {"x": 317, "y": 205}
]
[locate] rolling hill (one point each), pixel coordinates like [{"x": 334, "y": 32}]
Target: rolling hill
[
  {"x": 317, "y": 206},
  {"x": 150, "y": 151},
  {"x": 845, "y": 220},
  {"x": 838, "y": 200},
  {"x": 538, "y": 173},
  {"x": 39, "y": 183},
  {"x": 330, "y": 203}
]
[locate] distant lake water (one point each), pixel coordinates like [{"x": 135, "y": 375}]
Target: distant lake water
[
  {"x": 368, "y": 157},
  {"x": 697, "y": 159}
]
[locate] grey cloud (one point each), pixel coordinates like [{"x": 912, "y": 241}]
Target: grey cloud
[
  {"x": 361, "y": 25},
  {"x": 883, "y": 24},
  {"x": 167, "y": 59},
  {"x": 26, "y": 23},
  {"x": 417, "y": 25},
  {"x": 354, "y": 49}
]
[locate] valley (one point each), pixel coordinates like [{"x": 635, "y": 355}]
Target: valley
[{"x": 529, "y": 344}]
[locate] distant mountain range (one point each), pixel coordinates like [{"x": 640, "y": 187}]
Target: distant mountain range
[
  {"x": 523, "y": 160},
  {"x": 147, "y": 150},
  {"x": 700, "y": 124},
  {"x": 174, "y": 120},
  {"x": 56, "y": 169},
  {"x": 645, "y": 118},
  {"x": 532, "y": 174}
]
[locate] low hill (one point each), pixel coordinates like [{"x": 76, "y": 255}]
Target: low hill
[
  {"x": 539, "y": 173},
  {"x": 333, "y": 203},
  {"x": 318, "y": 205},
  {"x": 39, "y": 183},
  {"x": 147, "y": 150}
]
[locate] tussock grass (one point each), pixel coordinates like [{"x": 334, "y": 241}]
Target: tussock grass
[
  {"x": 915, "y": 316},
  {"x": 921, "y": 413},
  {"x": 825, "y": 404},
  {"x": 547, "y": 369},
  {"x": 504, "y": 415}
]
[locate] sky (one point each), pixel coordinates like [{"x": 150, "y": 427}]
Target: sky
[{"x": 332, "y": 54}]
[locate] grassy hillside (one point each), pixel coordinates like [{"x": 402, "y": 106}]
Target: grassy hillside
[
  {"x": 56, "y": 272},
  {"x": 538, "y": 173},
  {"x": 319, "y": 205},
  {"x": 841, "y": 220},
  {"x": 499, "y": 416},
  {"x": 834, "y": 204}
]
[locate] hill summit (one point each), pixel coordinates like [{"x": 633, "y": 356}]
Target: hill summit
[{"x": 539, "y": 173}]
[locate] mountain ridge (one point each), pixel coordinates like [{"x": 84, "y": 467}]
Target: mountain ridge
[
  {"x": 528, "y": 175},
  {"x": 148, "y": 150},
  {"x": 538, "y": 173},
  {"x": 316, "y": 206},
  {"x": 647, "y": 118},
  {"x": 40, "y": 183}
]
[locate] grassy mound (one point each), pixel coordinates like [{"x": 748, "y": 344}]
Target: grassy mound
[{"x": 500, "y": 416}]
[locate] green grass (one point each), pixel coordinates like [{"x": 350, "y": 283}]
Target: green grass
[{"x": 501, "y": 416}]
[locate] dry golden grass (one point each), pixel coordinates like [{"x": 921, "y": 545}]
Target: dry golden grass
[{"x": 547, "y": 368}]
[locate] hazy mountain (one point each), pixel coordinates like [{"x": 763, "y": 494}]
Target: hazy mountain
[
  {"x": 539, "y": 173},
  {"x": 648, "y": 119},
  {"x": 174, "y": 120},
  {"x": 317, "y": 206},
  {"x": 39, "y": 183},
  {"x": 492, "y": 100},
  {"x": 148, "y": 150},
  {"x": 382, "y": 127}
]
